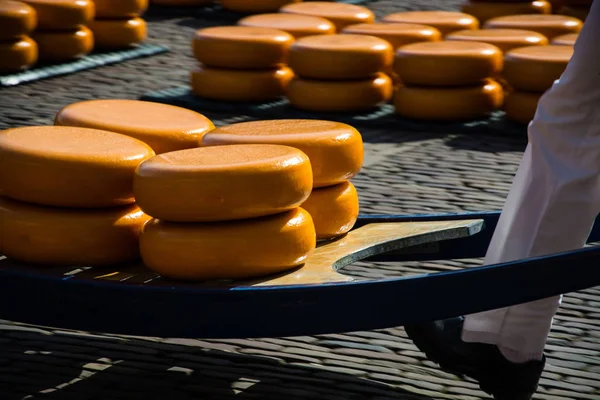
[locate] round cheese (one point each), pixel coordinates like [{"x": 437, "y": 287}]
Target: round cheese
[
  {"x": 163, "y": 127},
  {"x": 69, "y": 166},
  {"x": 484, "y": 11},
  {"x": 334, "y": 209},
  {"x": 118, "y": 34},
  {"x": 520, "y": 107},
  {"x": 535, "y": 68},
  {"x": 18, "y": 55},
  {"x": 548, "y": 25},
  {"x": 396, "y": 34},
  {"x": 340, "y": 57},
  {"x": 17, "y": 19},
  {"x": 241, "y": 47},
  {"x": 444, "y": 21},
  {"x": 447, "y": 63},
  {"x": 182, "y": 3},
  {"x": 70, "y": 237},
  {"x": 296, "y": 25},
  {"x": 340, "y": 14},
  {"x": 448, "y": 104},
  {"x": 579, "y": 12},
  {"x": 120, "y": 8},
  {"x": 64, "y": 46},
  {"x": 62, "y": 15},
  {"x": 565, "y": 40},
  {"x": 504, "y": 39},
  {"x": 255, "y": 6},
  {"x": 335, "y": 150},
  {"x": 222, "y": 183}
]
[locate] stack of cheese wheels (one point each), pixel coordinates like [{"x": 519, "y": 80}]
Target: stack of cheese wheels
[
  {"x": 485, "y": 10},
  {"x": 225, "y": 212},
  {"x": 62, "y": 32},
  {"x": 340, "y": 72},
  {"x": 118, "y": 23},
  {"x": 241, "y": 63},
  {"x": 444, "y": 21},
  {"x": 296, "y": 25},
  {"x": 255, "y": 6},
  {"x": 548, "y": 25},
  {"x": 530, "y": 71},
  {"x": 17, "y": 50},
  {"x": 576, "y": 8},
  {"x": 340, "y": 14},
  {"x": 66, "y": 196},
  {"x": 449, "y": 80},
  {"x": 336, "y": 154},
  {"x": 163, "y": 127}
]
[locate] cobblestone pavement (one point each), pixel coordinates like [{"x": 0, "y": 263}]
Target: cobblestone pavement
[{"x": 403, "y": 173}]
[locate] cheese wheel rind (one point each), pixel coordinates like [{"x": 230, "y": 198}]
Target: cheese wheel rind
[
  {"x": 548, "y": 25},
  {"x": 444, "y": 21},
  {"x": 340, "y": 14},
  {"x": 294, "y": 24},
  {"x": 255, "y": 6},
  {"x": 118, "y": 34},
  {"x": 396, "y": 34},
  {"x": 17, "y": 19},
  {"x": 565, "y": 40},
  {"x": 64, "y": 46},
  {"x": 60, "y": 15},
  {"x": 18, "y": 55},
  {"x": 520, "y": 107},
  {"x": 504, "y": 39},
  {"x": 485, "y": 11},
  {"x": 535, "y": 68}
]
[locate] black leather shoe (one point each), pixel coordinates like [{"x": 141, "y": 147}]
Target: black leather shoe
[{"x": 441, "y": 342}]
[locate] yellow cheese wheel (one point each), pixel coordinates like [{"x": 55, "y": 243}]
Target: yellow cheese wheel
[
  {"x": 64, "y": 46},
  {"x": 334, "y": 209},
  {"x": 255, "y": 6},
  {"x": 340, "y": 57},
  {"x": 18, "y": 55},
  {"x": 484, "y": 11},
  {"x": 548, "y": 25},
  {"x": 17, "y": 19},
  {"x": 241, "y": 47},
  {"x": 238, "y": 85},
  {"x": 579, "y": 12},
  {"x": 163, "y": 127},
  {"x": 520, "y": 107},
  {"x": 505, "y": 39},
  {"x": 120, "y": 8},
  {"x": 565, "y": 40},
  {"x": 444, "y": 21},
  {"x": 535, "y": 68},
  {"x": 222, "y": 183},
  {"x": 340, "y": 14},
  {"x": 69, "y": 166},
  {"x": 62, "y": 14},
  {"x": 448, "y": 104},
  {"x": 447, "y": 63},
  {"x": 396, "y": 34},
  {"x": 70, "y": 237},
  {"x": 335, "y": 150},
  {"x": 182, "y": 3},
  {"x": 228, "y": 250},
  {"x": 118, "y": 34},
  {"x": 296, "y": 25}
]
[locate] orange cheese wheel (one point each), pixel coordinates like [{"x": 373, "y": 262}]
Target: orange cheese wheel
[
  {"x": 535, "y": 68},
  {"x": 548, "y": 25},
  {"x": 520, "y": 107},
  {"x": 396, "y": 34},
  {"x": 334, "y": 209},
  {"x": 64, "y": 46},
  {"x": 504, "y": 39},
  {"x": 447, "y": 63},
  {"x": 182, "y": 3},
  {"x": 238, "y": 85},
  {"x": 70, "y": 237},
  {"x": 565, "y": 40},
  {"x": 17, "y": 19},
  {"x": 335, "y": 150},
  {"x": 444, "y": 21},
  {"x": 448, "y": 104},
  {"x": 296, "y": 25},
  {"x": 120, "y": 8},
  {"x": 68, "y": 166},
  {"x": 62, "y": 14},
  {"x": 255, "y": 6},
  {"x": 118, "y": 34},
  {"x": 222, "y": 183},
  {"x": 578, "y": 12},
  {"x": 163, "y": 127},
  {"x": 241, "y": 47},
  {"x": 484, "y": 11},
  {"x": 340, "y": 57},
  {"x": 18, "y": 55},
  {"x": 340, "y": 14},
  {"x": 228, "y": 250}
]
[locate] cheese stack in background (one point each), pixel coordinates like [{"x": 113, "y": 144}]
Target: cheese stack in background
[
  {"x": 241, "y": 63},
  {"x": 576, "y": 8},
  {"x": 118, "y": 24},
  {"x": 17, "y": 50},
  {"x": 485, "y": 10},
  {"x": 341, "y": 15},
  {"x": 444, "y": 21},
  {"x": 296, "y": 25},
  {"x": 550, "y": 26},
  {"x": 255, "y": 6}
]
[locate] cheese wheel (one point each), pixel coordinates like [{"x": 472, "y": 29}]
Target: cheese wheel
[
  {"x": 335, "y": 150},
  {"x": 444, "y": 21},
  {"x": 70, "y": 237},
  {"x": 241, "y": 47},
  {"x": 447, "y": 63},
  {"x": 64, "y": 46},
  {"x": 120, "y": 8},
  {"x": 163, "y": 127},
  {"x": 182, "y": 3},
  {"x": 222, "y": 183},
  {"x": 68, "y": 166},
  {"x": 18, "y": 55},
  {"x": 228, "y": 250},
  {"x": 17, "y": 19},
  {"x": 340, "y": 14},
  {"x": 62, "y": 15},
  {"x": 484, "y": 11},
  {"x": 118, "y": 34},
  {"x": 340, "y": 57},
  {"x": 565, "y": 40},
  {"x": 578, "y": 12},
  {"x": 240, "y": 86},
  {"x": 255, "y": 6},
  {"x": 535, "y": 68},
  {"x": 520, "y": 107},
  {"x": 296, "y": 25},
  {"x": 504, "y": 39},
  {"x": 448, "y": 104},
  {"x": 548, "y": 25},
  {"x": 396, "y": 34},
  {"x": 334, "y": 209}
]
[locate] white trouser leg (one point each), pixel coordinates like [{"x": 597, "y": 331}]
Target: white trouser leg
[{"x": 555, "y": 196}]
